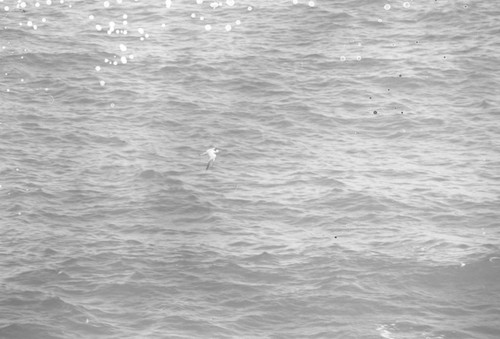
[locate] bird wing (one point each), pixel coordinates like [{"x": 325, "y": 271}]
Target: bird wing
[{"x": 210, "y": 163}]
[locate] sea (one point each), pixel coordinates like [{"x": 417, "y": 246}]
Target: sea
[{"x": 355, "y": 194}]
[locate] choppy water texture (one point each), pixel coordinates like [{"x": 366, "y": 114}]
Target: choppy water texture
[{"x": 356, "y": 193}]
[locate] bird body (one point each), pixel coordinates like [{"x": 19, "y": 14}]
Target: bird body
[{"x": 212, "y": 154}]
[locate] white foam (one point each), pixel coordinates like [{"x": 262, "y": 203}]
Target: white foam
[{"x": 384, "y": 332}]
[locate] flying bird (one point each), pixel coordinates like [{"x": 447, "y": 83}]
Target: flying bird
[{"x": 212, "y": 154}]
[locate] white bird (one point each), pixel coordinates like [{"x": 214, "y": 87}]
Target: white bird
[{"x": 212, "y": 154}]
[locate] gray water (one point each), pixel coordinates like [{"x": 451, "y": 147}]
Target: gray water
[{"x": 356, "y": 193}]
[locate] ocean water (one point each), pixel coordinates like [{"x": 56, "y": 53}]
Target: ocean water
[{"x": 356, "y": 193}]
